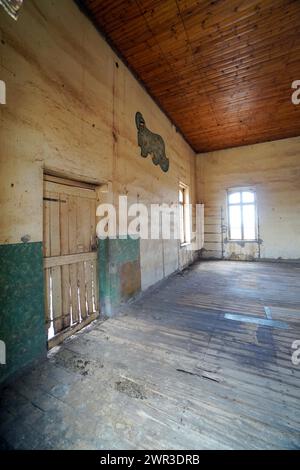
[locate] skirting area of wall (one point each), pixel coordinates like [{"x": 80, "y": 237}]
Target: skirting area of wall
[
  {"x": 119, "y": 272},
  {"x": 22, "y": 319}
]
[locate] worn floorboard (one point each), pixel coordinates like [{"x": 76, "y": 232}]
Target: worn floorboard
[{"x": 172, "y": 372}]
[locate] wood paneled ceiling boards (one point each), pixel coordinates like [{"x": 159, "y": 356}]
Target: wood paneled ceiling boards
[{"x": 222, "y": 70}]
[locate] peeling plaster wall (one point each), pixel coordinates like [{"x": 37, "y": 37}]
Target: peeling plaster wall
[{"x": 273, "y": 168}]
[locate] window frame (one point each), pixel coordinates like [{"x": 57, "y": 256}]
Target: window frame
[
  {"x": 241, "y": 204},
  {"x": 186, "y": 215}
]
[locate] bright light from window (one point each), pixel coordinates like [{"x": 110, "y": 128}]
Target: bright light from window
[
  {"x": 242, "y": 215},
  {"x": 234, "y": 198},
  {"x": 2, "y": 92},
  {"x": 184, "y": 214},
  {"x": 248, "y": 196}
]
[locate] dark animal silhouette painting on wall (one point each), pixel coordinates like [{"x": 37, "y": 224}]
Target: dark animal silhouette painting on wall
[{"x": 151, "y": 143}]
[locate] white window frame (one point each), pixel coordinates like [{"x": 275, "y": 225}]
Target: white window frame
[
  {"x": 241, "y": 204},
  {"x": 186, "y": 219}
]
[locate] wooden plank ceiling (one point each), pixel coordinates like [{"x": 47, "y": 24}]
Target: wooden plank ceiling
[{"x": 221, "y": 69}]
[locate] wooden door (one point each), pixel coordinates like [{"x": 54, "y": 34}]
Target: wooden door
[{"x": 70, "y": 257}]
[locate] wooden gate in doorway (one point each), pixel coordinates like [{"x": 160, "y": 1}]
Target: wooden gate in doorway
[{"x": 70, "y": 257}]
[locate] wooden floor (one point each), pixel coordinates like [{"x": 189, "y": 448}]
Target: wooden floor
[{"x": 173, "y": 372}]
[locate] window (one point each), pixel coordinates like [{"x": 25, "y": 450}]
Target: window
[
  {"x": 184, "y": 214},
  {"x": 242, "y": 214},
  {"x": 2, "y": 92}
]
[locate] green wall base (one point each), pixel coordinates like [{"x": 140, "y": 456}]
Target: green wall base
[
  {"x": 22, "y": 320},
  {"x": 119, "y": 272}
]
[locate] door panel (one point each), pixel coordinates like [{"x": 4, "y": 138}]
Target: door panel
[{"x": 70, "y": 257}]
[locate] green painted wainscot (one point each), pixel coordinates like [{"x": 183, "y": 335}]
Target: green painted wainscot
[
  {"x": 22, "y": 320},
  {"x": 119, "y": 272}
]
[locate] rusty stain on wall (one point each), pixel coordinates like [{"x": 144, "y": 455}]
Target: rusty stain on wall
[{"x": 130, "y": 279}]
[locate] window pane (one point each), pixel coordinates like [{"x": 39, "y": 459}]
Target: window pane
[
  {"x": 249, "y": 222},
  {"x": 181, "y": 214},
  {"x": 248, "y": 196},
  {"x": 235, "y": 222},
  {"x": 234, "y": 198},
  {"x": 187, "y": 231},
  {"x": 180, "y": 195}
]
